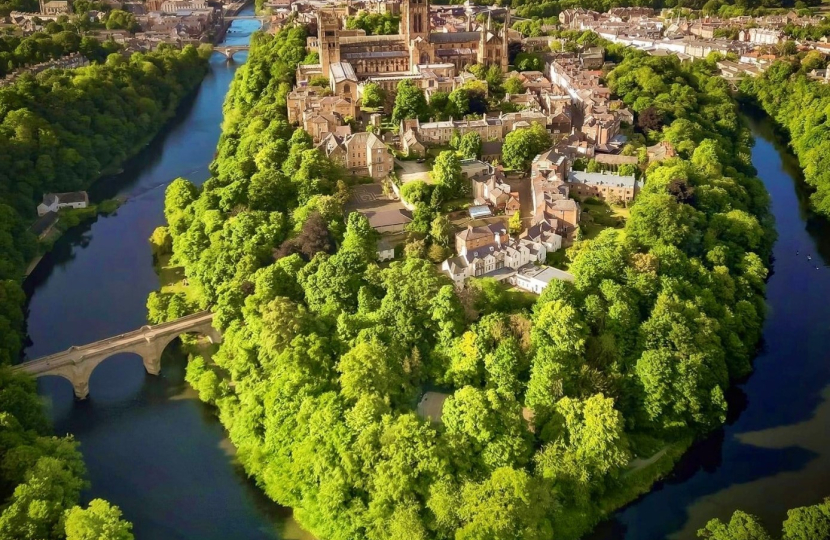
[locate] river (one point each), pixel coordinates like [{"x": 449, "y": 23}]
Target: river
[
  {"x": 774, "y": 451},
  {"x": 150, "y": 446},
  {"x": 162, "y": 456}
]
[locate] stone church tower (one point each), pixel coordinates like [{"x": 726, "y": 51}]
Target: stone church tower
[{"x": 415, "y": 20}]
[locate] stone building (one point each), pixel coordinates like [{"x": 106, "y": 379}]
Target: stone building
[
  {"x": 361, "y": 153},
  {"x": 608, "y": 187},
  {"x": 416, "y": 44}
]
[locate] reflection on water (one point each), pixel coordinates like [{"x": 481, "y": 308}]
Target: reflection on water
[
  {"x": 150, "y": 446},
  {"x": 773, "y": 454}
]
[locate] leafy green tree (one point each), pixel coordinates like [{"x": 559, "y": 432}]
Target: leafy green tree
[
  {"x": 373, "y": 95},
  {"x": 591, "y": 444},
  {"x": 409, "y": 102},
  {"x": 441, "y": 231},
  {"x": 508, "y": 504},
  {"x": 808, "y": 522},
  {"x": 447, "y": 173},
  {"x": 741, "y": 526},
  {"x": 513, "y": 85},
  {"x": 100, "y": 521},
  {"x": 522, "y": 145},
  {"x": 370, "y": 368},
  {"x": 360, "y": 237},
  {"x": 470, "y": 145},
  {"x": 515, "y": 223}
]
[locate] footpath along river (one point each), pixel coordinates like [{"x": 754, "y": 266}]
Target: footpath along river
[{"x": 152, "y": 448}]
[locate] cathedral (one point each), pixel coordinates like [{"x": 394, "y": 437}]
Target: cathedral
[{"x": 416, "y": 44}]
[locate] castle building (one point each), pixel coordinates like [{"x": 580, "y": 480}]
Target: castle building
[{"x": 416, "y": 44}]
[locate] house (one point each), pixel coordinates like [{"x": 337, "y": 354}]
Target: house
[
  {"x": 320, "y": 124},
  {"x": 551, "y": 166},
  {"x": 608, "y": 187},
  {"x": 535, "y": 278},
  {"x": 389, "y": 221},
  {"x": 497, "y": 260},
  {"x": 660, "y": 151},
  {"x": 361, "y": 153},
  {"x": 411, "y": 144},
  {"x": 472, "y": 238},
  {"x": 52, "y": 202},
  {"x": 491, "y": 151},
  {"x": 544, "y": 233},
  {"x": 490, "y": 188}
]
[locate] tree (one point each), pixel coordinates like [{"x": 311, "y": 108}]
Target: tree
[
  {"x": 409, "y": 102},
  {"x": 808, "y": 522},
  {"x": 447, "y": 173},
  {"x": 314, "y": 238},
  {"x": 370, "y": 368},
  {"x": 360, "y": 237},
  {"x": 470, "y": 145},
  {"x": 515, "y": 223},
  {"x": 100, "y": 521},
  {"x": 441, "y": 231},
  {"x": 513, "y": 85},
  {"x": 528, "y": 62},
  {"x": 509, "y": 504},
  {"x": 373, "y": 95},
  {"x": 522, "y": 145},
  {"x": 459, "y": 103},
  {"x": 590, "y": 446},
  {"x": 650, "y": 119},
  {"x": 741, "y": 526}
]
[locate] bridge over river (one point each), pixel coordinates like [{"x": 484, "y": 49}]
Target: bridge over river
[{"x": 76, "y": 364}]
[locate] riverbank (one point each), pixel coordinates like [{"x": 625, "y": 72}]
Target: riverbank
[{"x": 68, "y": 219}]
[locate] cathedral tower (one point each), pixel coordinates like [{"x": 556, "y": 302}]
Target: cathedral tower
[
  {"x": 328, "y": 39},
  {"x": 415, "y": 19}
]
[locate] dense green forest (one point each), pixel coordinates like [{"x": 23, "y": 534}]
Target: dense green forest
[
  {"x": 325, "y": 353},
  {"x": 550, "y": 8},
  {"x": 60, "y": 40},
  {"x": 58, "y": 131},
  {"x": 804, "y": 523},
  {"x": 799, "y": 106}
]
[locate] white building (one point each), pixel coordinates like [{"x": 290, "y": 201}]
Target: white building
[
  {"x": 496, "y": 260},
  {"x": 52, "y": 202},
  {"x": 535, "y": 278}
]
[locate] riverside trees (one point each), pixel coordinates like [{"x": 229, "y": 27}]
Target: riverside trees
[
  {"x": 58, "y": 131},
  {"x": 325, "y": 352},
  {"x": 793, "y": 100}
]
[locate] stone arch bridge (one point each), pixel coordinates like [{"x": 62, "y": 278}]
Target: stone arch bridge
[
  {"x": 76, "y": 364},
  {"x": 230, "y": 50}
]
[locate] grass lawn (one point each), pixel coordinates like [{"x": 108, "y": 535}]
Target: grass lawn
[
  {"x": 559, "y": 259},
  {"x": 598, "y": 215},
  {"x": 173, "y": 280}
]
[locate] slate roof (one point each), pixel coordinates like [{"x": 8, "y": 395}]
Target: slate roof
[
  {"x": 453, "y": 37},
  {"x": 342, "y": 71}
]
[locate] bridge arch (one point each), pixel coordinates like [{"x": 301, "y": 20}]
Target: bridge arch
[
  {"x": 230, "y": 52},
  {"x": 148, "y": 342}
]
